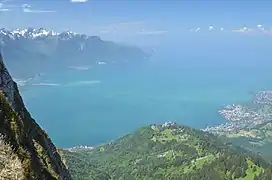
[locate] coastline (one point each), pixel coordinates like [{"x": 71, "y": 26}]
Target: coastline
[{"x": 240, "y": 117}]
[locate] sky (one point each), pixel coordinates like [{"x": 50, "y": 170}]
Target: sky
[{"x": 138, "y": 21}]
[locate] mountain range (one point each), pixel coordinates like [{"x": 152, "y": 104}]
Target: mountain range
[{"x": 41, "y": 50}]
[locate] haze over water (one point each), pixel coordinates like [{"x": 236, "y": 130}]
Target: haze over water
[{"x": 185, "y": 84}]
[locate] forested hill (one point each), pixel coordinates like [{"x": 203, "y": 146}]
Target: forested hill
[
  {"x": 171, "y": 152},
  {"x": 257, "y": 139}
]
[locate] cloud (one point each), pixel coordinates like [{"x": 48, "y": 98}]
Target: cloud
[
  {"x": 210, "y": 28},
  {"x": 260, "y": 26},
  {"x": 78, "y": 1},
  {"x": 194, "y": 30},
  {"x": 4, "y": 10},
  {"x": 243, "y": 30},
  {"x": 4, "y": 7},
  {"x": 26, "y": 6},
  {"x": 259, "y": 30},
  {"x": 28, "y": 9},
  {"x": 263, "y": 30}
]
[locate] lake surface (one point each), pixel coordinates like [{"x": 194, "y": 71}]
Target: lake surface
[{"x": 107, "y": 101}]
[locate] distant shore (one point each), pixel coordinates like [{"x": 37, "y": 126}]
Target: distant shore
[{"x": 241, "y": 117}]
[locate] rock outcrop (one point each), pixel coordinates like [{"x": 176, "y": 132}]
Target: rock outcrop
[{"x": 28, "y": 141}]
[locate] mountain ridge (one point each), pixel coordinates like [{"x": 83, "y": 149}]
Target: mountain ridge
[
  {"x": 32, "y": 33},
  {"x": 41, "y": 50}
]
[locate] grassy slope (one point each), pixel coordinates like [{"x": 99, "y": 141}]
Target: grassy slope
[{"x": 174, "y": 152}]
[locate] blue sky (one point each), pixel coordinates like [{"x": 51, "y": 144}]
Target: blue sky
[{"x": 135, "y": 21}]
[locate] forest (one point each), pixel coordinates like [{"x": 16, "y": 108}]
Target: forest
[{"x": 167, "y": 152}]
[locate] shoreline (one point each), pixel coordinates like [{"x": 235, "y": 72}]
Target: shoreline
[{"x": 240, "y": 117}]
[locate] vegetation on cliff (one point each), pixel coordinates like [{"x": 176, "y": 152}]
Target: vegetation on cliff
[
  {"x": 11, "y": 167},
  {"x": 23, "y": 139}
]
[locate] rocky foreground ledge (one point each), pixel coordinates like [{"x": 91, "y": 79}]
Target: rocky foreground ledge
[{"x": 241, "y": 117}]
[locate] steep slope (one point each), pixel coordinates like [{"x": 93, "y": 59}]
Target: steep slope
[
  {"x": 29, "y": 143},
  {"x": 81, "y": 168},
  {"x": 171, "y": 152}
]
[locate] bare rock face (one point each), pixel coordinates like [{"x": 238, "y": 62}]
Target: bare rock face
[
  {"x": 7, "y": 85},
  {"x": 38, "y": 155}
]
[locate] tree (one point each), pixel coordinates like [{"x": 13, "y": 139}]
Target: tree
[
  {"x": 254, "y": 169},
  {"x": 238, "y": 172}
]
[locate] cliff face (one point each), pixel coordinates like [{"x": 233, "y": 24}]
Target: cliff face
[{"x": 37, "y": 154}]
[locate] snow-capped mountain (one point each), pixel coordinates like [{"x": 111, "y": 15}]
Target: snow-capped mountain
[
  {"x": 28, "y": 49},
  {"x": 32, "y": 33}
]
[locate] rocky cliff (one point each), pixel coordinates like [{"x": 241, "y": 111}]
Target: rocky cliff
[{"x": 28, "y": 142}]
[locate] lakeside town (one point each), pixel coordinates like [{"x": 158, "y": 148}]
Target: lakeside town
[
  {"x": 77, "y": 148},
  {"x": 241, "y": 117}
]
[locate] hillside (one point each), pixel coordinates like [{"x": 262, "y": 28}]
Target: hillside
[
  {"x": 249, "y": 125},
  {"x": 170, "y": 152},
  {"x": 26, "y": 150},
  {"x": 80, "y": 166},
  {"x": 257, "y": 139}
]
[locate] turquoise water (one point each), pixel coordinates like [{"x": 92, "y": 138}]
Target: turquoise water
[{"x": 107, "y": 101}]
